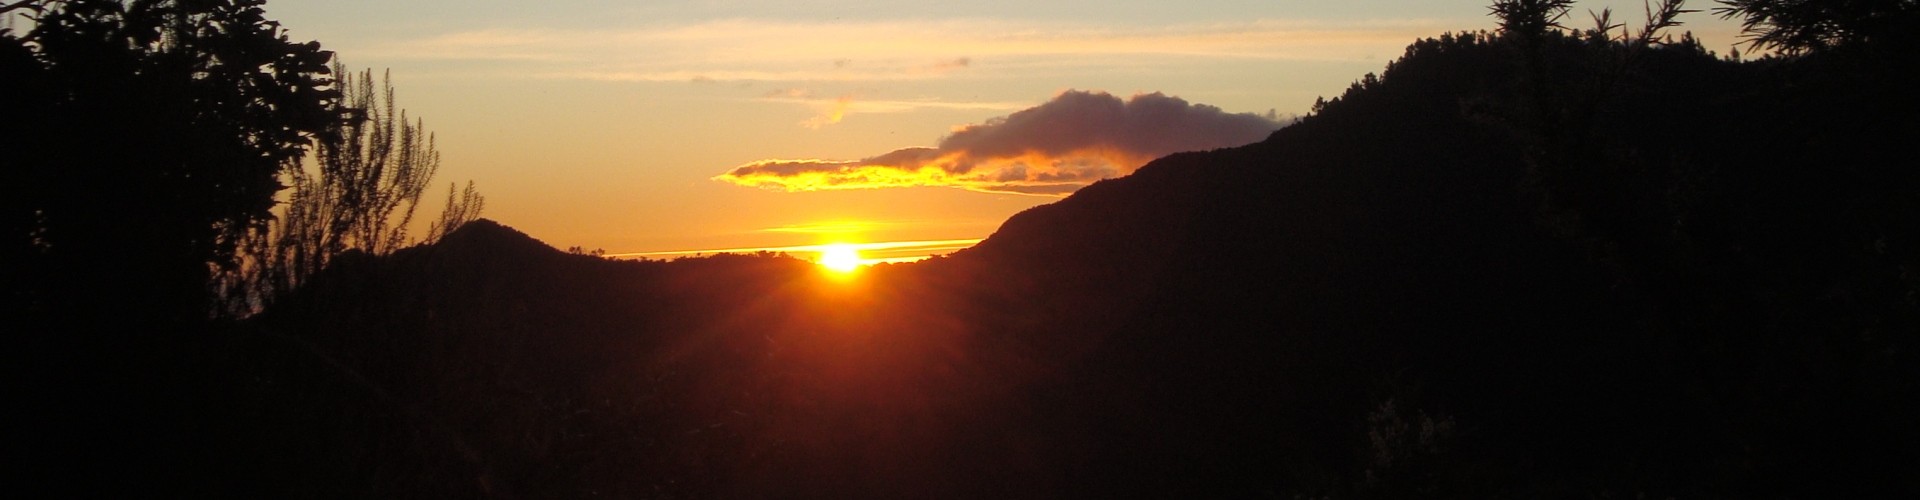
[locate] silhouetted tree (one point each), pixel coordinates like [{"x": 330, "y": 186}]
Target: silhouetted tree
[
  {"x": 143, "y": 143},
  {"x": 1795, "y": 26},
  {"x": 360, "y": 192},
  {"x": 1566, "y": 81},
  {"x": 1659, "y": 19},
  {"x": 459, "y": 211},
  {"x": 1530, "y": 18},
  {"x": 373, "y": 173}
]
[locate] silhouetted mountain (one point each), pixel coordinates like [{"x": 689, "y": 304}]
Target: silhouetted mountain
[
  {"x": 1497, "y": 270},
  {"x": 490, "y": 239},
  {"x": 1667, "y": 285},
  {"x": 569, "y": 375}
]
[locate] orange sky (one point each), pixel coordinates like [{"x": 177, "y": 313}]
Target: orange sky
[{"x": 654, "y": 128}]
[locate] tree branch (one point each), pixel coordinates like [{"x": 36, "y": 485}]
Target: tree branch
[{"x": 37, "y": 6}]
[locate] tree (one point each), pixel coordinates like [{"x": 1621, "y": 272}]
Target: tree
[
  {"x": 144, "y": 141},
  {"x": 1795, "y": 26},
  {"x": 459, "y": 211},
  {"x": 359, "y": 191},
  {"x": 1530, "y": 18}
]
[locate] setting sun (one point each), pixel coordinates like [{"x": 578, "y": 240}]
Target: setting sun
[{"x": 840, "y": 257}]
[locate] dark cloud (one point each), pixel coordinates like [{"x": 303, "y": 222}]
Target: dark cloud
[{"x": 1052, "y": 149}]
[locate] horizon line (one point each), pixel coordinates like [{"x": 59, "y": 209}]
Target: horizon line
[{"x": 931, "y": 245}]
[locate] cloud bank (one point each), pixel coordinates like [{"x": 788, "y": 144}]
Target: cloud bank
[{"x": 1052, "y": 149}]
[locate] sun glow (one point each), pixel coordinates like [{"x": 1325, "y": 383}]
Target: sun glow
[
  {"x": 865, "y": 253},
  {"x": 840, "y": 257}
]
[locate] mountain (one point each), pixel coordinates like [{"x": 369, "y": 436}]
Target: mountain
[
  {"x": 1368, "y": 263},
  {"x": 1496, "y": 270},
  {"x": 1488, "y": 284}
]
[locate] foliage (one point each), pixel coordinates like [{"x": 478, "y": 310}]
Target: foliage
[
  {"x": 458, "y": 212},
  {"x": 359, "y": 193},
  {"x": 1403, "y": 449},
  {"x": 1658, "y": 19},
  {"x": 169, "y": 127},
  {"x": 1727, "y": 205},
  {"x": 372, "y": 173},
  {"x": 1797, "y": 26},
  {"x": 144, "y": 140},
  {"x": 1530, "y": 18}
]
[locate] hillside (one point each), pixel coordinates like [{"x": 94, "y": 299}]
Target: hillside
[
  {"x": 1633, "y": 271},
  {"x": 1437, "y": 286},
  {"x": 1624, "y": 289}
]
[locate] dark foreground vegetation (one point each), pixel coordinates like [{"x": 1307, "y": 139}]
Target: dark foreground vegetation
[{"x": 1537, "y": 263}]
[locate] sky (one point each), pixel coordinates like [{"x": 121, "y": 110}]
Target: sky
[{"x": 656, "y": 128}]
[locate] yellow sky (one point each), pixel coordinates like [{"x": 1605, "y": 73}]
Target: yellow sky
[{"x": 604, "y": 124}]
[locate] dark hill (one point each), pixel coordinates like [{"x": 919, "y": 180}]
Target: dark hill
[
  {"x": 485, "y": 236},
  {"x": 1612, "y": 271},
  {"x": 1640, "y": 280}
]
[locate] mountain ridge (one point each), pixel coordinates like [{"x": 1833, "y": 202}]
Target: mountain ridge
[{"x": 1455, "y": 279}]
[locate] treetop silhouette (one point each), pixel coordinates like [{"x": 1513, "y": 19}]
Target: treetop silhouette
[
  {"x": 1796, "y": 26},
  {"x": 359, "y": 192},
  {"x": 146, "y": 139}
]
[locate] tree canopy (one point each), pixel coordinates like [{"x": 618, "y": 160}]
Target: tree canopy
[
  {"x": 1795, "y": 26},
  {"x": 144, "y": 141}
]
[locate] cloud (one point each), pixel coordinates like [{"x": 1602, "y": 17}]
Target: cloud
[
  {"x": 943, "y": 67},
  {"x": 788, "y": 93},
  {"x": 831, "y": 110},
  {"x": 766, "y": 50},
  {"x": 835, "y": 227},
  {"x": 834, "y": 112},
  {"x": 1052, "y": 149}
]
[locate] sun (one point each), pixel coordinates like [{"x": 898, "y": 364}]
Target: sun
[{"x": 840, "y": 257}]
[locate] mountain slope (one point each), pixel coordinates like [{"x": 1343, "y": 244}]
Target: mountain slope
[
  {"x": 1565, "y": 285},
  {"x": 1611, "y": 275}
]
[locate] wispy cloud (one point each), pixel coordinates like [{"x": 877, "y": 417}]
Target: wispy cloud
[
  {"x": 835, "y": 227},
  {"x": 1052, "y": 149},
  {"x": 944, "y": 67},
  {"x": 830, "y": 110},
  {"x": 836, "y": 110},
  {"x": 890, "y": 50}
]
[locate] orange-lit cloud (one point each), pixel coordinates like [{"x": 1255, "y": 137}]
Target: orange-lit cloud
[
  {"x": 1053, "y": 149},
  {"x": 833, "y": 114}
]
